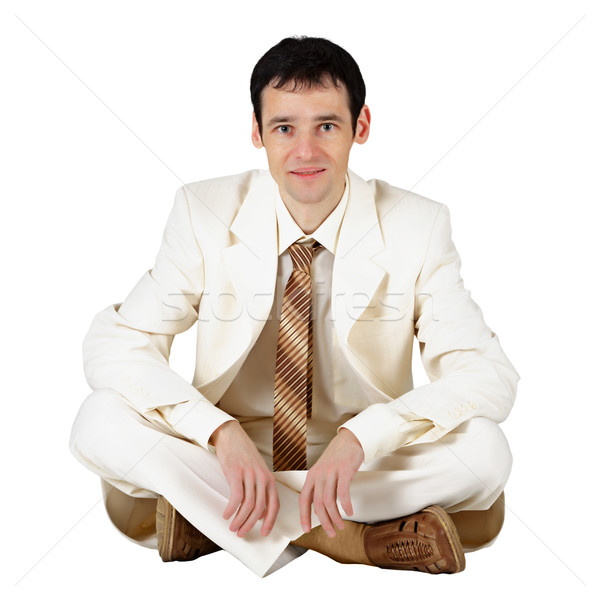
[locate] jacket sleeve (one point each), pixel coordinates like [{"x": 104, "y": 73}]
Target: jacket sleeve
[
  {"x": 469, "y": 373},
  {"x": 128, "y": 345}
]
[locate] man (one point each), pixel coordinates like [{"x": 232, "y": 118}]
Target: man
[{"x": 301, "y": 428}]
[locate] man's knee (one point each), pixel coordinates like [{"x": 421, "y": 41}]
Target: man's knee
[
  {"x": 95, "y": 422},
  {"x": 489, "y": 456}
]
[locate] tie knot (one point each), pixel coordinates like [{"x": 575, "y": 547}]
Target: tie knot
[{"x": 302, "y": 256}]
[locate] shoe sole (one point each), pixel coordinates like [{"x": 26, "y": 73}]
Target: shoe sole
[
  {"x": 165, "y": 515},
  {"x": 451, "y": 534},
  {"x": 173, "y": 544}
]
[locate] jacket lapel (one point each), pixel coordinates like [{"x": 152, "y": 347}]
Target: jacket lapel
[
  {"x": 252, "y": 261},
  {"x": 355, "y": 276},
  {"x": 355, "y": 280}
]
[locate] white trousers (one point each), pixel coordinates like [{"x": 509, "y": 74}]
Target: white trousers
[{"x": 140, "y": 458}]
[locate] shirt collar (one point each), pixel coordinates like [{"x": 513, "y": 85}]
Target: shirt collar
[{"x": 288, "y": 231}]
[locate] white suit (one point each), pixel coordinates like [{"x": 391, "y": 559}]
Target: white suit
[{"x": 394, "y": 252}]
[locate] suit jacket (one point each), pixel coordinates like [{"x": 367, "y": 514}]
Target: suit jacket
[{"x": 396, "y": 274}]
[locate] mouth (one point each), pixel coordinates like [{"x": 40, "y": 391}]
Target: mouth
[{"x": 309, "y": 173}]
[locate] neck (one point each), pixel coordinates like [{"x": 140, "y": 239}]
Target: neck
[{"x": 310, "y": 216}]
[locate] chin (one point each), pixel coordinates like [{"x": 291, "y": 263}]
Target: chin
[
  {"x": 305, "y": 195},
  {"x": 308, "y": 198}
]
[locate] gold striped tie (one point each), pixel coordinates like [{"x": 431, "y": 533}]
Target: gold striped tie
[{"x": 293, "y": 368}]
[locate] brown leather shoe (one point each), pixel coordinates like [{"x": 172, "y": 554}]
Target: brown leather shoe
[
  {"x": 426, "y": 541},
  {"x": 178, "y": 539}
]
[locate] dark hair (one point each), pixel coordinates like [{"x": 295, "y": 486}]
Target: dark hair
[{"x": 307, "y": 61}]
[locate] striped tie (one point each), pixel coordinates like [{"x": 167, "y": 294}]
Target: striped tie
[{"x": 293, "y": 369}]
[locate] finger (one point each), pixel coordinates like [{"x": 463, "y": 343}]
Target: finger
[
  {"x": 330, "y": 502},
  {"x": 236, "y": 496},
  {"x": 257, "y": 511},
  {"x": 320, "y": 508},
  {"x": 343, "y": 492},
  {"x": 305, "y": 501},
  {"x": 272, "y": 508},
  {"x": 246, "y": 506}
]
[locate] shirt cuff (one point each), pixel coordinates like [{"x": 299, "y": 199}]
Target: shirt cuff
[
  {"x": 195, "y": 420},
  {"x": 381, "y": 430}
]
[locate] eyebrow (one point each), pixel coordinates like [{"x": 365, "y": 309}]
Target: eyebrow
[{"x": 319, "y": 118}]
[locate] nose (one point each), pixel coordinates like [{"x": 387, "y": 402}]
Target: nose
[{"x": 306, "y": 146}]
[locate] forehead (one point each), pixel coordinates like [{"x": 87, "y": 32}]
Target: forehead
[{"x": 304, "y": 99}]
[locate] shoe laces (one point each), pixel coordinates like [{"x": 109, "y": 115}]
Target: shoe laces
[{"x": 409, "y": 551}]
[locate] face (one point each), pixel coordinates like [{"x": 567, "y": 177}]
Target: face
[{"x": 307, "y": 135}]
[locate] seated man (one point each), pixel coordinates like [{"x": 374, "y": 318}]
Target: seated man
[{"x": 301, "y": 428}]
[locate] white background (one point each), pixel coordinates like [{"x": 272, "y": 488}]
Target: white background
[{"x": 108, "y": 107}]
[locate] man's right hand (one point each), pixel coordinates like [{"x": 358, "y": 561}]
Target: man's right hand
[{"x": 253, "y": 493}]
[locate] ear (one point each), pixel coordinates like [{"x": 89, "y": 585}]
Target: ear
[
  {"x": 363, "y": 125},
  {"x": 256, "y": 139}
]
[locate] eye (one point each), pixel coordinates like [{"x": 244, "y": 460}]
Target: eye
[
  {"x": 284, "y": 129},
  {"x": 327, "y": 126}
]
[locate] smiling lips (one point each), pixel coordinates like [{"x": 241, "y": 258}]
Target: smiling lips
[{"x": 307, "y": 173}]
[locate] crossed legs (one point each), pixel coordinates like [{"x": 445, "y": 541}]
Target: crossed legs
[{"x": 139, "y": 458}]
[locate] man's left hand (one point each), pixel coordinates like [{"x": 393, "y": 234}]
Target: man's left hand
[{"x": 329, "y": 479}]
